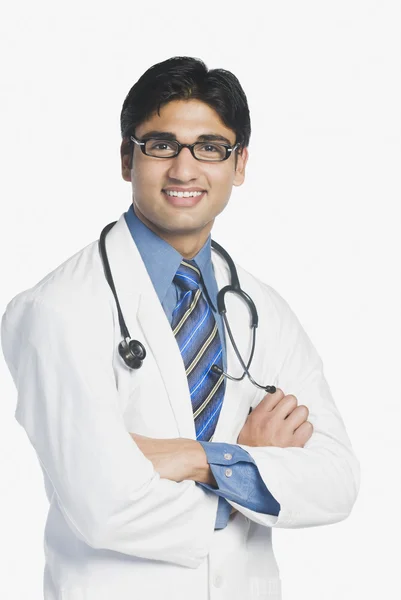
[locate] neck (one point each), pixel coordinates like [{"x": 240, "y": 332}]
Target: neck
[{"x": 188, "y": 245}]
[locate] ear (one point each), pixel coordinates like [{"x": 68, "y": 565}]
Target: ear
[
  {"x": 125, "y": 161},
  {"x": 241, "y": 164}
]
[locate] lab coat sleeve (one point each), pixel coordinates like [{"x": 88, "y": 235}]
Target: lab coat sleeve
[
  {"x": 108, "y": 491},
  {"x": 317, "y": 484}
]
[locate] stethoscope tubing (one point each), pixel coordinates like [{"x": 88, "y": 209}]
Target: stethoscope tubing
[{"x": 133, "y": 352}]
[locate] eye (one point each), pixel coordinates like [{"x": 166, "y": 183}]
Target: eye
[
  {"x": 160, "y": 146},
  {"x": 214, "y": 148},
  {"x": 205, "y": 150}
]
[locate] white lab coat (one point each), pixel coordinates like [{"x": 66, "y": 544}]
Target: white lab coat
[{"x": 115, "y": 529}]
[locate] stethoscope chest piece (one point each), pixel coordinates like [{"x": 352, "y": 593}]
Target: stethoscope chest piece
[{"x": 132, "y": 353}]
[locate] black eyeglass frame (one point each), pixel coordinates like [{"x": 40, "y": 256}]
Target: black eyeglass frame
[{"x": 141, "y": 143}]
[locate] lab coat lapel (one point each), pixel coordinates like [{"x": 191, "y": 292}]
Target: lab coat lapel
[{"x": 139, "y": 301}]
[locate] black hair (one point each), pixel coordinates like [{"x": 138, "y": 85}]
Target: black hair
[{"x": 184, "y": 77}]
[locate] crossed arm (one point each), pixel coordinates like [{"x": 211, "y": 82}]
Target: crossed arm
[
  {"x": 176, "y": 459},
  {"x": 277, "y": 421}
]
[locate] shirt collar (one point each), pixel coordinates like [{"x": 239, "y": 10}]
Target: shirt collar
[{"x": 162, "y": 260}]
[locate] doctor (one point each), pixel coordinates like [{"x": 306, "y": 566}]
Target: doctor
[{"x": 161, "y": 482}]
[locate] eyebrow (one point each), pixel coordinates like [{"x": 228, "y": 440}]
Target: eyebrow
[{"x": 168, "y": 135}]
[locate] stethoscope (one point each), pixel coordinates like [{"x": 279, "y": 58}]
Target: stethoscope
[{"x": 133, "y": 352}]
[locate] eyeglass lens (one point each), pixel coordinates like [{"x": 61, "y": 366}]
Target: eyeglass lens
[{"x": 202, "y": 150}]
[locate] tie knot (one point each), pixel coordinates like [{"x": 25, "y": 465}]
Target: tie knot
[{"x": 188, "y": 275}]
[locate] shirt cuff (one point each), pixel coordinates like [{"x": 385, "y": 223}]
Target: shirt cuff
[
  {"x": 233, "y": 483},
  {"x": 242, "y": 483},
  {"x": 220, "y": 453}
]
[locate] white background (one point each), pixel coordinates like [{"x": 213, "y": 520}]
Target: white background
[{"x": 318, "y": 218}]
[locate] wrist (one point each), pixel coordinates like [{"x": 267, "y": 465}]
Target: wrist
[{"x": 201, "y": 470}]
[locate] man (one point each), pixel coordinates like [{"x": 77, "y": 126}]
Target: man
[{"x": 161, "y": 482}]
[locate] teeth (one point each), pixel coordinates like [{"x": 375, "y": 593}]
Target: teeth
[{"x": 183, "y": 194}]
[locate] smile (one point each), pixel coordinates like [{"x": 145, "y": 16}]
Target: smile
[
  {"x": 183, "y": 198},
  {"x": 183, "y": 194}
]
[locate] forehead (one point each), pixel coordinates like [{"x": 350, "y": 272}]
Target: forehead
[{"x": 187, "y": 119}]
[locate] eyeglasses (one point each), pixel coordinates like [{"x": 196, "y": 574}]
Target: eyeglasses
[{"x": 204, "y": 151}]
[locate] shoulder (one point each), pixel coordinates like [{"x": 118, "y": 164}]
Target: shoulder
[
  {"x": 79, "y": 272},
  {"x": 75, "y": 287}
]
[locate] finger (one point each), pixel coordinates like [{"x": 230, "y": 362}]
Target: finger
[
  {"x": 270, "y": 401},
  {"x": 302, "y": 434},
  {"x": 286, "y": 405},
  {"x": 298, "y": 416}
]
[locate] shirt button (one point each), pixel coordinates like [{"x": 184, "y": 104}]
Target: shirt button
[
  {"x": 218, "y": 580},
  {"x": 228, "y": 456},
  {"x": 228, "y": 472}
]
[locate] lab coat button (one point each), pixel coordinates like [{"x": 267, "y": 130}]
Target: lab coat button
[
  {"x": 229, "y": 472},
  {"x": 218, "y": 580},
  {"x": 228, "y": 456}
]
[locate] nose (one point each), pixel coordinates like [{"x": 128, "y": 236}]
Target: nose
[{"x": 184, "y": 166}]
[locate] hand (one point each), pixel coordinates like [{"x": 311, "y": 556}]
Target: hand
[
  {"x": 277, "y": 421},
  {"x": 172, "y": 458}
]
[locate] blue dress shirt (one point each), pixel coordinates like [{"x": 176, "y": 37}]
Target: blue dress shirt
[{"x": 234, "y": 469}]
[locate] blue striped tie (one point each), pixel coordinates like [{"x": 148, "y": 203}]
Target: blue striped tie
[{"x": 198, "y": 339}]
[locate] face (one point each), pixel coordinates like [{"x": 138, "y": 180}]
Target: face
[{"x": 186, "y": 228}]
